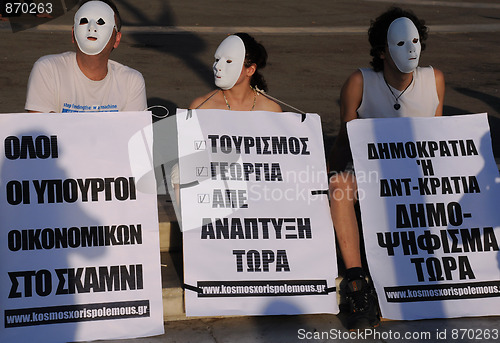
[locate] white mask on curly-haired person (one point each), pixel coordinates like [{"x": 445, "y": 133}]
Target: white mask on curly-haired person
[
  {"x": 229, "y": 58},
  {"x": 403, "y": 41}
]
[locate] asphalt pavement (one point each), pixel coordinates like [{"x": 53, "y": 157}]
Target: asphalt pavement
[{"x": 313, "y": 46}]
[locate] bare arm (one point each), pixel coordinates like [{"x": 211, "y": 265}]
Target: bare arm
[
  {"x": 440, "y": 86},
  {"x": 350, "y": 99}
]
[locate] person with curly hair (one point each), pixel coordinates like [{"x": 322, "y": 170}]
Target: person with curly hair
[{"x": 395, "y": 86}]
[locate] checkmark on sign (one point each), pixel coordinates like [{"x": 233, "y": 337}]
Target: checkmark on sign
[
  {"x": 203, "y": 198},
  {"x": 200, "y": 145},
  {"x": 201, "y": 171}
]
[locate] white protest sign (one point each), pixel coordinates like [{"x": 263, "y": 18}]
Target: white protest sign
[
  {"x": 429, "y": 194},
  {"x": 79, "y": 239},
  {"x": 257, "y": 233}
]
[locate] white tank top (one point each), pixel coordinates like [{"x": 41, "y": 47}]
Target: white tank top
[{"x": 419, "y": 100}]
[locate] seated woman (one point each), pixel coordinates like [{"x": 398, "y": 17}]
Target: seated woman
[
  {"x": 238, "y": 60},
  {"x": 240, "y": 86}
]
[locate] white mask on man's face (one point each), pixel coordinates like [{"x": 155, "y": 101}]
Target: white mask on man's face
[
  {"x": 229, "y": 58},
  {"x": 93, "y": 26},
  {"x": 403, "y": 41}
]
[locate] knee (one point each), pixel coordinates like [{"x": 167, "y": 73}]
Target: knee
[
  {"x": 342, "y": 180},
  {"x": 342, "y": 186}
]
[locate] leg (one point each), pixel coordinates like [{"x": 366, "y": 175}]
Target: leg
[
  {"x": 343, "y": 189},
  {"x": 359, "y": 303}
]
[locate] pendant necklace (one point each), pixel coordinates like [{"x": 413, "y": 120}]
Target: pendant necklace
[
  {"x": 397, "y": 106},
  {"x": 254, "y": 99}
]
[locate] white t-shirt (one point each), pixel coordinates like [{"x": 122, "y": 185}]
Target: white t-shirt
[
  {"x": 56, "y": 84},
  {"x": 420, "y": 99}
]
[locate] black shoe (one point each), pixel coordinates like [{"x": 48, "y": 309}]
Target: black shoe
[{"x": 359, "y": 305}]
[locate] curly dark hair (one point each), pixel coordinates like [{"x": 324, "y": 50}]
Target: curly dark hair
[
  {"x": 377, "y": 33},
  {"x": 255, "y": 53}
]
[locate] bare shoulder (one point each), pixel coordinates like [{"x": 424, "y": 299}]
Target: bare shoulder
[
  {"x": 438, "y": 74},
  {"x": 266, "y": 104},
  {"x": 354, "y": 80},
  {"x": 353, "y": 86},
  {"x": 202, "y": 100},
  {"x": 351, "y": 96}
]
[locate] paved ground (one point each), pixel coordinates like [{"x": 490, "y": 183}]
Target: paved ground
[
  {"x": 313, "y": 46},
  {"x": 321, "y": 329}
]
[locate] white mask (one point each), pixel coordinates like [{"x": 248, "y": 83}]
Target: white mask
[
  {"x": 403, "y": 41},
  {"x": 94, "y": 19},
  {"x": 229, "y": 59}
]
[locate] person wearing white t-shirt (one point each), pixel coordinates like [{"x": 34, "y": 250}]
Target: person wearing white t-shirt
[
  {"x": 394, "y": 87},
  {"x": 87, "y": 80}
]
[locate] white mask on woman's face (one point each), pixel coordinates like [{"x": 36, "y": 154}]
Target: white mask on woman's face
[
  {"x": 93, "y": 26},
  {"x": 403, "y": 41},
  {"x": 229, "y": 58}
]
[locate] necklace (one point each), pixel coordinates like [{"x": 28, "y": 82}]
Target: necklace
[
  {"x": 397, "y": 106},
  {"x": 254, "y": 99}
]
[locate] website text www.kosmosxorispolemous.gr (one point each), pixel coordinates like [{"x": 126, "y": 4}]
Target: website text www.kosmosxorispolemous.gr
[
  {"x": 76, "y": 313},
  {"x": 262, "y": 288},
  {"x": 475, "y": 290}
]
